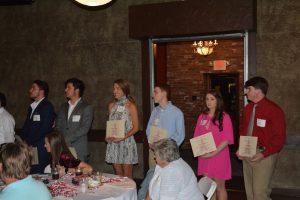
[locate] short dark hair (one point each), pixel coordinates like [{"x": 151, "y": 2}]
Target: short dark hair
[
  {"x": 258, "y": 83},
  {"x": 2, "y": 100},
  {"x": 43, "y": 85},
  {"x": 78, "y": 84},
  {"x": 164, "y": 87}
]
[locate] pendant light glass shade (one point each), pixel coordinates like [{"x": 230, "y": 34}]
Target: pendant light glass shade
[{"x": 93, "y": 2}]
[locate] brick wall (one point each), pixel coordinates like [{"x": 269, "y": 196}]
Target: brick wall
[{"x": 185, "y": 75}]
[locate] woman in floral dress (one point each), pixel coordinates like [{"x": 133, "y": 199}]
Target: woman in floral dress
[{"x": 122, "y": 153}]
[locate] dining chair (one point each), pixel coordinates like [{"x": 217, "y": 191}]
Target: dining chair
[{"x": 207, "y": 187}]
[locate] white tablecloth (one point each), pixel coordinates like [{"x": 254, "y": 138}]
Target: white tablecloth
[
  {"x": 124, "y": 190},
  {"x": 111, "y": 191}
]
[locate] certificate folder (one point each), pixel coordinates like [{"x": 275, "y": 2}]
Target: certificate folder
[
  {"x": 203, "y": 144},
  {"x": 157, "y": 134},
  {"x": 115, "y": 128},
  {"x": 248, "y": 145}
]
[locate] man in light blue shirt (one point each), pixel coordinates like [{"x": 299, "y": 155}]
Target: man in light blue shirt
[
  {"x": 15, "y": 162},
  {"x": 165, "y": 116},
  {"x": 169, "y": 117}
]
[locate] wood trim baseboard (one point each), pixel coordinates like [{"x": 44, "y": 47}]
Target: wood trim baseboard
[{"x": 98, "y": 135}]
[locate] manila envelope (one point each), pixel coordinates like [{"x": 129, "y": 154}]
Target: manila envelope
[
  {"x": 157, "y": 134},
  {"x": 115, "y": 128},
  {"x": 247, "y": 147},
  {"x": 35, "y": 156},
  {"x": 203, "y": 144}
]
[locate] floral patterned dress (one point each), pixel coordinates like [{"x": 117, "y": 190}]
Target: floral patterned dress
[{"x": 125, "y": 151}]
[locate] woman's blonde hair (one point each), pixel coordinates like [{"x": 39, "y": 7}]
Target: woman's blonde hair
[{"x": 16, "y": 160}]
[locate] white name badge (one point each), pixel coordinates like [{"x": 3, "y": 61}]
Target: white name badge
[
  {"x": 120, "y": 108},
  {"x": 76, "y": 118},
  {"x": 36, "y": 118},
  {"x": 203, "y": 122},
  {"x": 261, "y": 122},
  {"x": 155, "y": 122}
]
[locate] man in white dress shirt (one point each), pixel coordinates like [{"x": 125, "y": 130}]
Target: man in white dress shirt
[
  {"x": 38, "y": 123},
  {"x": 7, "y": 123}
]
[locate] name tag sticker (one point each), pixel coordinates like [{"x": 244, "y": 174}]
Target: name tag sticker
[
  {"x": 76, "y": 118},
  {"x": 155, "y": 122},
  {"x": 261, "y": 122},
  {"x": 36, "y": 118},
  {"x": 203, "y": 122},
  {"x": 120, "y": 108}
]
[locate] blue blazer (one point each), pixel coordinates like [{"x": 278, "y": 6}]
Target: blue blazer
[{"x": 36, "y": 128}]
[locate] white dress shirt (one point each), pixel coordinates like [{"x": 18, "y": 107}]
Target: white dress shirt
[
  {"x": 176, "y": 181},
  {"x": 7, "y": 126},
  {"x": 34, "y": 104},
  {"x": 72, "y": 106}
]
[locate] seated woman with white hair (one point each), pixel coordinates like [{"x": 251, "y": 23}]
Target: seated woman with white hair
[{"x": 173, "y": 177}]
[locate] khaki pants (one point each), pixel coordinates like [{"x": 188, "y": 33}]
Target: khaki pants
[
  {"x": 257, "y": 177},
  {"x": 152, "y": 162}
]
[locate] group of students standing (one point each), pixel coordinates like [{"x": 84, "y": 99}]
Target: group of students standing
[
  {"x": 75, "y": 117},
  {"x": 261, "y": 118}
]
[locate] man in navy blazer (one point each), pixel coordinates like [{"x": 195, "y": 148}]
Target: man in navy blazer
[
  {"x": 38, "y": 123},
  {"x": 75, "y": 118}
]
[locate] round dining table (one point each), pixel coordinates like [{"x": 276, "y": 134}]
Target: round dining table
[{"x": 113, "y": 188}]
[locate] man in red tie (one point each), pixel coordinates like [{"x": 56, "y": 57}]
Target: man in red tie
[{"x": 265, "y": 120}]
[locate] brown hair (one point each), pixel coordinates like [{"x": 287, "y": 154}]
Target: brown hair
[
  {"x": 57, "y": 146},
  {"x": 16, "y": 160},
  {"x": 218, "y": 115},
  {"x": 164, "y": 87},
  {"x": 125, "y": 87}
]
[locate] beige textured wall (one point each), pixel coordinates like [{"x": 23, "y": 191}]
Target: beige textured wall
[
  {"x": 278, "y": 55},
  {"x": 54, "y": 40},
  {"x": 278, "y": 58}
]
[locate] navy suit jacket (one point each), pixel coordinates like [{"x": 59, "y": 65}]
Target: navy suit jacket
[{"x": 36, "y": 128}]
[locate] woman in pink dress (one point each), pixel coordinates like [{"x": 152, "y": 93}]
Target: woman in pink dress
[{"x": 216, "y": 165}]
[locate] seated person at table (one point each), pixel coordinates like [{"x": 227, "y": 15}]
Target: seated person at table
[
  {"x": 173, "y": 177},
  {"x": 15, "y": 162},
  {"x": 61, "y": 156}
]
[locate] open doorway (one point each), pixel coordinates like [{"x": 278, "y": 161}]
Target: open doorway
[
  {"x": 175, "y": 63},
  {"x": 190, "y": 75}
]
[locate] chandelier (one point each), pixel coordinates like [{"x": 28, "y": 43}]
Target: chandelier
[
  {"x": 93, "y": 2},
  {"x": 204, "y": 48}
]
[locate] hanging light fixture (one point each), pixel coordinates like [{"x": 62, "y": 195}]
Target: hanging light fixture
[
  {"x": 93, "y": 2},
  {"x": 204, "y": 48}
]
